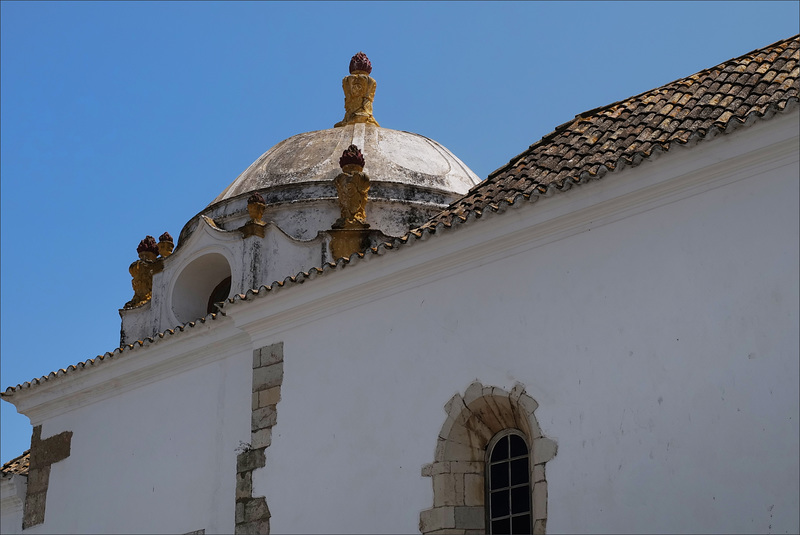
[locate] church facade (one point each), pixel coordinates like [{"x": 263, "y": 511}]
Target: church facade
[{"x": 358, "y": 335}]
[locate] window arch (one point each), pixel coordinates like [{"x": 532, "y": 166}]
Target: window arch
[
  {"x": 476, "y": 423},
  {"x": 508, "y": 484}
]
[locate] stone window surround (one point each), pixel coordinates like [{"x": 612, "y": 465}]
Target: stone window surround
[{"x": 458, "y": 470}]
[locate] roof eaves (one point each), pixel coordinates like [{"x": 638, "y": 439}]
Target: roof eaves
[{"x": 115, "y": 354}]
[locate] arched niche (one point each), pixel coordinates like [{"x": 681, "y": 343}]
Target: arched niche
[{"x": 196, "y": 284}]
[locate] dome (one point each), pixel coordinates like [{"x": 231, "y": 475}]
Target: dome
[
  {"x": 410, "y": 177},
  {"x": 393, "y": 159}
]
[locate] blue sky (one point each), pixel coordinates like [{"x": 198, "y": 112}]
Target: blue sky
[{"x": 122, "y": 119}]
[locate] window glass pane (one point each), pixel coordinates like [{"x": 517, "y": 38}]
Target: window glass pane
[
  {"x": 519, "y": 471},
  {"x": 499, "y": 476},
  {"x": 518, "y": 446},
  {"x": 500, "y": 450},
  {"x": 520, "y": 500},
  {"x": 499, "y": 504},
  {"x": 501, "y": 526},
  {"x": 521, "y": 524}
]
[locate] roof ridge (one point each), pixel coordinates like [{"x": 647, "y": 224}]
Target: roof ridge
[{"x": 593, "y": 111}]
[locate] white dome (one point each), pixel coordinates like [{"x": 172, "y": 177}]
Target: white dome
[{"x": 392, "y": 157}]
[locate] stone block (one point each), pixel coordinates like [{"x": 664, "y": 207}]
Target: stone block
[
  {"x": 473, "y": 392},
  {"x": 540, "y": 526},
  {"x": 250, "y": 460},
  {"x": 444, "y": 490},
  {"x": 538, "y": 473},
  {"x": 38, "y": 479},
  {"x": 487, "y": 414},
  {"x": 454, "y": 406},
  {"x": 480, "y": 433},
  {"x": 540, "y": 500},
  {"x": 270, "y": 396},
  {"x": 246, "y": 528},
  {"x": 244, "y": 485},
  {"x": 528, "y": 404},
  {"x": 264, "y": 417},
  {"x": 267, "y": 377},
  {"x": 467, "y": 467},
  {"x": 437, "y": 518},
  {"x": 470, "y": 517},
  {"x": 259, "y": 527},
  {"x": 272, "y": 354},
  {"x": 461, "y": 452},
  {"x": 544, "y": 449},
  {"x": 256, "y": 358},
  {"x": 459, "y": 481},
  {"x": 440, "y": 468},
  {"x": 440, "y": 447},
  {"x": 33, "y": 512},
  {"x": 474, "y": 490},
  {"x": 256, "y": 509},
  {"x": 239, "y": 512},
  {"x": 261, "y": 438},
  {"x": 254, "y": 405}
]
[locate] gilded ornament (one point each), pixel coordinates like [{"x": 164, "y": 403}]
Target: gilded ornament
[
  {"x": 359, "y": 92},
  {"x": 142, "y": 272},
  {"x": 165, "y": 245},
  {"x": 352, "y": 186},
  {"x": 255, "y": 208}
]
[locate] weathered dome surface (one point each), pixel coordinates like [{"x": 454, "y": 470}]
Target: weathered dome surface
[{"x": 392, "y": 157}]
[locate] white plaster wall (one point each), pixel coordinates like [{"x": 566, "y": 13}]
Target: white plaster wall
[
  {"x": 662, "y": 349},
  {"x": 12, "y": 499},
  {"x": 158, "y": 459}
]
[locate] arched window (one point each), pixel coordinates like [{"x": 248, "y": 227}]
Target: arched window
[
  {"x": 488, "y": 472},
  {"x": 508, "y": 484}
]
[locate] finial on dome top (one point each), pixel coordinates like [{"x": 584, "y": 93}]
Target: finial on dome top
[
  {"x": 352, "y": 156},
  {"x": 360, "y": 64},
  {"x": 359, "y": 92}
]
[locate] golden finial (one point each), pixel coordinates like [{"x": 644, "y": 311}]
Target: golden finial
[
  {"x": 359, "y": 92},
  {"x": 350, "y": 233},
  {"x": 352, "y": 186},
  {"x": 142, "y": 272}
]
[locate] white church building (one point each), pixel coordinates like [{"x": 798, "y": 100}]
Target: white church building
[{"x": 358, "y": 335}]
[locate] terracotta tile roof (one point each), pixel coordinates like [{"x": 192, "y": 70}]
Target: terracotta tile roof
[
  {"x": 631, "y": 130},
  {"x": 18, "y": 465},
  {"x": 716, "y": 100}
]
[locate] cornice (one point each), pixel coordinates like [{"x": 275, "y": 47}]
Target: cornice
[{"x": 130, "y": 370}]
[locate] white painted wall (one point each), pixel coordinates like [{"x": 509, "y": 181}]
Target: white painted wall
[
  {"x": 653, "y": 316},
  {"x": 12, "y": 500},
  {"x": 662, "y": 349},
  {"x": 157, "y": 459}
]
